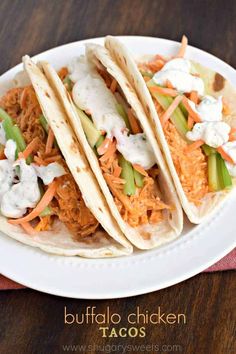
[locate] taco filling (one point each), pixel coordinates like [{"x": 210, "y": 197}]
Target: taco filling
[
  {"x": 126, "y": 159},
  {"x": 36, "y": 186},
  {"x": 202, "y": 144}
]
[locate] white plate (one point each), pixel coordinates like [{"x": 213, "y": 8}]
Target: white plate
[{"x": 196, "y": 249}]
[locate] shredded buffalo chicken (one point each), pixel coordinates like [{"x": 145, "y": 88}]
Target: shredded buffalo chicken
[
  {"x": 145, "y": 206},
  {"x": 68, "y": 205},
  {"x": 190, "y": 167}
]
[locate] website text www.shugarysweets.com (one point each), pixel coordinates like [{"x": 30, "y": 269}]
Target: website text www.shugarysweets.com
[
  {"x": 123, "y": 348},
  {"x": 136, "y": 321}
]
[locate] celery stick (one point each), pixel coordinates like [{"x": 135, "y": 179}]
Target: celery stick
[
  {"x": 100, "y": 141},
  {"x": 67, "y": 81},
  {"x": 208, "y": 150},
  {"x": 44, "y": 123},
  {"x": 91, "y": 132},
  {"x": 4, "y": 116},
  {"x": 224, "y": 176},
  {"x": 127, "y": 174},
  {"x": 177, "y": 118},
  {"x": 138, "y": 179},
  {"x": 123, "y": 114},
  {"x": 146, "y": 73},
  {"x": 47, "y": 211},
  {"x": 213, "y": 178}
]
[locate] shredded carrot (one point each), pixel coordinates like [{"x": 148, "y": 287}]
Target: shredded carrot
[
  {"x": 166, "y": 116},
  {"x": 190, "y": 122},
  {"x": 155, "y": 65},
  {"x": 102, "y": 149},
  {"x": 50, "y": 141},
  {"x": 117, "y": 171},
  {"x": 30, "y": 148},
  {"x": 169, "y": 84},
  {"x": 140, "y": 169},
  {"x": 62, "y": 73},
  {"x": 110, "y": 151},
  {"x": 194, "y": 145},
  {"x": 39, "y": 161},
  {"x": 135, "y": 127},
  {"x": 182, "y": 50},
  {"x": 194, "y": 97},
  {"x": 46, "y": 199},
  {"x": 28, "y": 228},
  {"x": 226, "y": 108},
  {"x": 51, "y": 159},
  {"x": 194, "y": 115},
  {"x": 224, "y": 155},
  {"x": 232, "y": 136},
  {"x": 44, "y": 224},
  {"x": 164, "y": 91},
  {"x": 2, "y": 155},
  {"x": 113, "y": 86}
]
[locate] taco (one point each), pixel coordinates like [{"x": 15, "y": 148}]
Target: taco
[
  {"x": 112, "y": 128},
  {"x": 192, "y": 111},
  {"x": 49, "y": 197}
]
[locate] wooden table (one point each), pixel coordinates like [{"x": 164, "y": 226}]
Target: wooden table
[{"x": 31, "y": 322}]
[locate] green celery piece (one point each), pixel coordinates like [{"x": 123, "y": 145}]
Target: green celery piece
[
  {"x": 92, "y": 133},
  {"x": 224, "y": 176},
  {"x": 184, "y": 110},
  {"x": 146, "y": 73},
  {"x": 138, "y": 179},
  {"x": 67, "y": 81},
  {"x": 45, "y": 126},
  {"x": 47, "y": 211},
  {"x": 5, "y": 117},
  {"x": 177, "y": 118},
  {"x": 18, "y": 137},
  {"x": 208, "y": 150},
  {"x": 44, "y": 123},
  {"x": 120, "y": 109},
  {"x": 13, "y": 132},
  {"x": 127, "y": 173},
  {"x": 213, "y": 177},
  {"x": 100, "y": 141}
]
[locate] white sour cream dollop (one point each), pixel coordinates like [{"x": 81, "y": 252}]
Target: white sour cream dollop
[
  {"x": 209, "y": 109},
  {"x": 213, "y": 134},
  {"x": 22, "y": 195},
  {"x": 2, "y": 135},
  {"x": 90, "y": 93},
  {"x": 49, "y": 172},
  {"x": 135, "y": 149},
  {"x": 177, "y": 72},
  {"x": 10, "y": 150}
]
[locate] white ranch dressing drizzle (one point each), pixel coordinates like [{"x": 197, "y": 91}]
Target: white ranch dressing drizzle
[
  {"x": 177, "y": 72},
  {"x": 22, "y": 195},
  {"x": 213, "y": 134},
  {"x": 2, "y": 135},
  {"x": 90, "y": 93},
  {"x": 15, "y": 198},
  {"x": 209, "y": 109},
  {"x": 49, "y": 172}
]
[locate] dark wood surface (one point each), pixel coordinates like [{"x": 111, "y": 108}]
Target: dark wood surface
[{"x": 32, "y": 322}]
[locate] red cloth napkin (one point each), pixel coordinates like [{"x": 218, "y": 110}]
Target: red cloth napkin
[{"x": 226, "y": 263}]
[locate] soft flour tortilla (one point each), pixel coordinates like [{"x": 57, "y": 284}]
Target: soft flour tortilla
[
  {"x": 215, "y": 85},
  {"x": 146, "y": 236},
  {"x": 59, "y": 240}
]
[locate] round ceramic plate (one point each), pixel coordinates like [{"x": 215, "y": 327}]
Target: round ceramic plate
[{"x": 196, "y": 249}]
